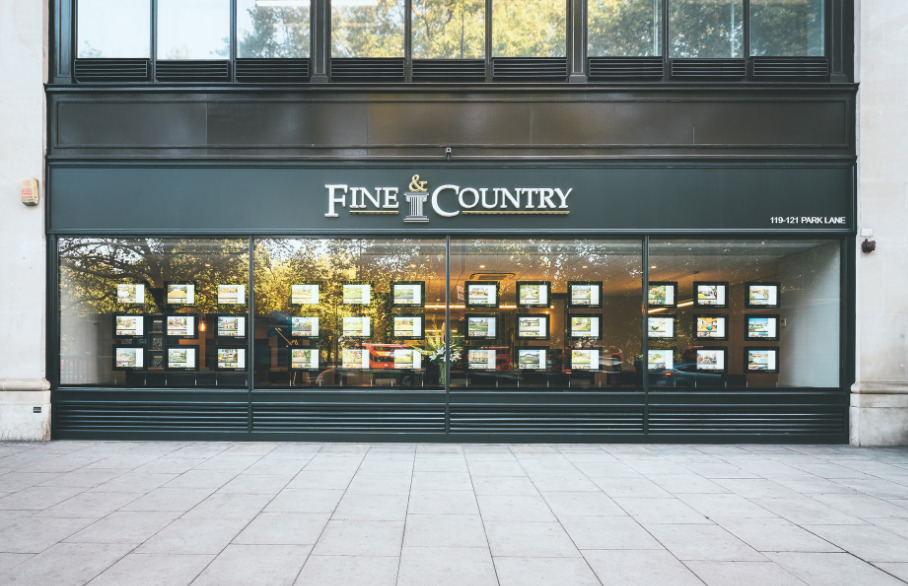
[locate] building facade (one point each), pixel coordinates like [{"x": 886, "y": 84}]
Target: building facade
[{"x": 456, "y": 221}]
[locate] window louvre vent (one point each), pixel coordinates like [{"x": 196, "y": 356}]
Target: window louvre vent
[
  {"x": 713, "y": 69},
  {"x": 347, "y": 418},
  {"x": 272, "y": 70},
  {"x": 794, "y": 68},
  {"x": 449, "y": 70},
  {"x": 192, "y": 71},
  {"x": 641, "y": 68},
  {"x": 790, "y": 421},
  {"x": 112, "y": 69},
  {"x": 367, "y": 69},
  {"x": 548, "y": 419},
  {"x": 148, "y": 416},
  {"x": 529, "y": 69}
]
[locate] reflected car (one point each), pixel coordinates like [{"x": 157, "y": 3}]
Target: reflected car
[{"x": 685, "y": 375}]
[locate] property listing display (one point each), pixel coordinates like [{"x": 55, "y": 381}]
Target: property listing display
[{"x": 568, "y": 316}]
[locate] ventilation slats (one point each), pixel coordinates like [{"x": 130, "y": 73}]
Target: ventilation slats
[
  {"x": 367, "y": 69},
  {"x": 626, "y": 68},
  {"x": 551, "y": 419},
  {"x": 122, "y": 70},
  {"x": 272, "y": 70},
  {"x": 350, "y": 418},
  {"x": 449, "y": 70},
  {"x": 709, "y": 69},
  {"x": 529, "y": 69},
  {"x": 764, "y": 421},
  {"x": 791, "y": 68},
  {"x": 150, "y": 417},
  {"x": 189, "y": 71}
]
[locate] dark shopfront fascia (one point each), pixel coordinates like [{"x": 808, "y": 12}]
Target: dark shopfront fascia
[
  {"x": 685, "y": 170},
  {"x": 747, "y": 265}
]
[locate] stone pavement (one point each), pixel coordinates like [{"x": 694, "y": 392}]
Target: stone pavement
[{"x": 302, "y": 513}]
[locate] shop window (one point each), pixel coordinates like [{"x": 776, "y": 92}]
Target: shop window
[
  {"x": 154, "y": 313},
  {"x": 347, "y": 313},
  {"x": 272, "y": 29},
  {"x": 743, "y": 314},
  {"x": 367, "y": 28},
  {"x": 529, "y": 28},
  {"x": 706, "y": 29},
  {"x": 114, "y": 29},
  {"x": 545, "y": 314},
  {"x": 787, "y": 28},
  {"x": 197, "y": 30},
  {"x": 627, "y": 28},
  {"x": 448, "y": 29}
]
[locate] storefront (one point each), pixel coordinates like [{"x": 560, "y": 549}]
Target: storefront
[
  {"x": 578, "y": 302},
  {"x": 451, "y": 220}
]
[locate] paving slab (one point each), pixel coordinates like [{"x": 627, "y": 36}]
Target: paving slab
[{"x": 475, "y": 514}]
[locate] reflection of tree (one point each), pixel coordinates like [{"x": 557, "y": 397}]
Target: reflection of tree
[
  {"x": 451, "y": 29},
  {"x": 701, "y": 28},
  {"x": 787, "y": 28},
  {"x": 367, "y": 31},
  {"x": 529, "y": 28},
  {"x": 276, "y": 33},
  {"x": 624, "y": 28},
  {"x": 90, "y": 269}
]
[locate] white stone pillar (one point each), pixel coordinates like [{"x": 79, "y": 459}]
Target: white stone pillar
[
  {"x": 879, "y": 399},
  {"x": 24, "y": 390}
]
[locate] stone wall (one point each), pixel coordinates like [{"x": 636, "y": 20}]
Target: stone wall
[
  {"x": 879, "y": 401},
  {"x": 24, "y": 394}
]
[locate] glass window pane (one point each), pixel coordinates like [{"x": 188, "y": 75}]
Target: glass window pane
[
  {"x": 367, "y": 28},
  {"x": 747, "y": 313},
  {"x": 625, "y": 28},
  {"x": 706, "y": 28},
  {"x": 152, "y": 312},
  {"x": 559, "y": 314},
  {"x": 112, "y": 29},
  {"x": 272, "y": 29},
  {"x": 199, "y": 29},
  {"x": 787, "y": 28},
  {"x": 529, "y": 28},
  {"x": 347, "y": 313},
  {"x": 448, "y": 29}
]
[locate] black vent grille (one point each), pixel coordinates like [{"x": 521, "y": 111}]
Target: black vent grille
[
  {"x": 793, "y": 68},
  {"x": 272, "y": 70},
  {"x": 776, "y": 421},
  {"x": 138, "y": 417},
  {"x": 449, "y": 70},
  {"x": 529, "y": 69},
  {"x": 551, "y": 419},
  {"x": 189, "y": 71},
  {"x": 367, "y": 69},
  {"x": 112, "y": 69},
  {"x": 713, "y": 69},
  {"x": 305, "y": 417},
  {"x": 618, "y": 68}
]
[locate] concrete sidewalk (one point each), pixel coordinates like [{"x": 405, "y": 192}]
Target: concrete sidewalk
[{"x": 290, "y": 513}]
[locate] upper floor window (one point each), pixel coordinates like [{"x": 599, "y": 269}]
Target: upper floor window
[
  {"x": 706, "y": 28},
  {"x": 624, "y": 28},
  {"x": 272, "y": 29},
  {"x": 529, "y": 28},
  {"x": 367, "y": 28},
  {"x": 193, "y": 30},
  {"x": 114, "y": 29},
  {"x": 787, "y": 28},
  {"x": 448, "y": 29}
]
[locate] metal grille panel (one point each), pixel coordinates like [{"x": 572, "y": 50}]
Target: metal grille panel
[
  {"x": 272, "y": 70},
  {"x": 630, "y": 68},
  {"x": 791, "y": 68},
  {"x": 189, "y": 71},
  {"x": 712, "y": 69},
  {"x": 367, "y": 69},
  {"x": 323, "y": 417},
  {"x": 122, "y": 70},
  {"x": 553, "y": 419},
  {"x": 449, "y": 70},
  {"x": 139, "y": 417},
  {"x": 529, "y": 69}
]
